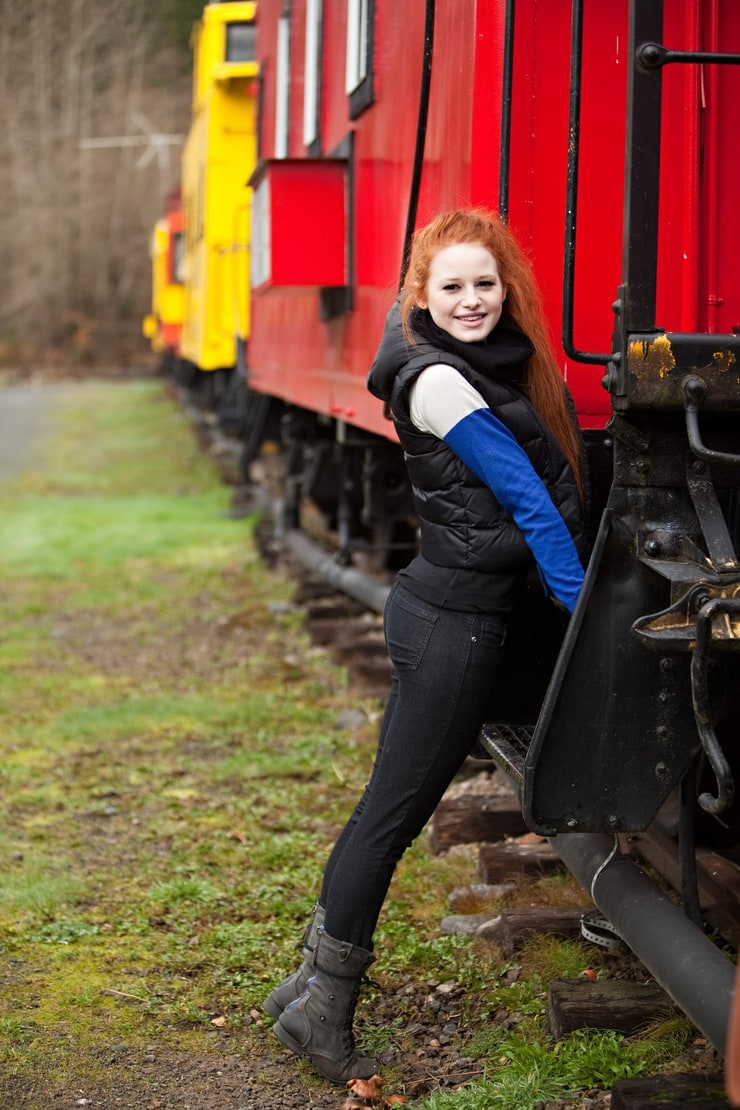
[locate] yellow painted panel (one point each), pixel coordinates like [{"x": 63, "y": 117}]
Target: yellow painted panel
[{"x": 218, "y": 159}]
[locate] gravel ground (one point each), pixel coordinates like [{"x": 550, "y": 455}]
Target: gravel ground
[{"x": 159, "y": 1079}]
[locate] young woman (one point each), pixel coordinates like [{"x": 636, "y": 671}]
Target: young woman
[{"x": 493, "y": 456}]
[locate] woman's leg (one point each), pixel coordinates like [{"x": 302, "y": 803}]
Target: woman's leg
[
  {"x": 338, "y": 849},
  {"x": 444, "y": 664}
]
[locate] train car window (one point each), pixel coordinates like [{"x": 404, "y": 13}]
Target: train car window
[
  {"x": 260, "y": 246},
  {"x": 282, "y": 89},
  {"x": 312, "y": 81},
  {"x": 360, "y": 43},
  {"x": 240, "y": 42},
  {"x": 178, "y": 258}
]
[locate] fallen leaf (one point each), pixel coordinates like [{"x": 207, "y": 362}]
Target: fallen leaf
[
  {"x": 353, "y": 1104},
  {"x": 366, "y": 1088},
  {"x": 392, "y": 1100},
  {"x": 219, "y": 1021},
  {"x": 589, "y": 973}
]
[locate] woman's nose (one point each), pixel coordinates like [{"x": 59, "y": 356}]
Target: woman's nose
[{"x": 472, "y": 297}]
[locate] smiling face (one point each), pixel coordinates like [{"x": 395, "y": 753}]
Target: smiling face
[{"x": 464, "y": 293}]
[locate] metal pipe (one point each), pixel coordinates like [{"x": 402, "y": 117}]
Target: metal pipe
[
  {"x": 687, "y": 965},
  {"x": 351, "y": 581}
]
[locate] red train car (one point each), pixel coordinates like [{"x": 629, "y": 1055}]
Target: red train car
[
  {"x": 366, "y": 124},
  {"x": 375, "y": 115}
]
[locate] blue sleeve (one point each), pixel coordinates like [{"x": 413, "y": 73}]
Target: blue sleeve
[{"x": 493, "y": 454}]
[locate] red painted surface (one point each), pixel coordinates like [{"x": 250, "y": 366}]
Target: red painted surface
[
  {"x": 305, "y": 208},
  {"x": 322, "y": 364},
  {"x": 718, "y": 96}
]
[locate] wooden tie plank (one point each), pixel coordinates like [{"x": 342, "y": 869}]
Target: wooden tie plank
[
  {"x": 669, "y": 1092},
  {"x": 472, "y": 818},
  {"x": 512, "y": 928},
  {"x": 718, "y": 878},
  {"x": 620, "y": 1004},
  {"x": 497, "y": 862}
]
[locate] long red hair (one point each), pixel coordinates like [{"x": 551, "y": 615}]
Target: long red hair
[{"x": 545, "y": 385}]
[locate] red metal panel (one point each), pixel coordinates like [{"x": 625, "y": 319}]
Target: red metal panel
[
  {"x": 540, "y": 140},
  {"x": 678, "y": 255},
  {"x": 297, "y": 76},
  {"x": 600, "y": 203},
  {"x": 698, "y": 280},
  {"x": 384, "y": 136},
  {"x": 266, "y": 46},
  {"x": 334, "y": 104},
  {"x": 486, "y": 111},
  {"x": 451, "y": 131},
  {"x": 303, "y": 240},
  {"x": 719, "y": 309}
]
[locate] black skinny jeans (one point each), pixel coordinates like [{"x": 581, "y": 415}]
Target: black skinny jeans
[{"x": 444, "y": 664}]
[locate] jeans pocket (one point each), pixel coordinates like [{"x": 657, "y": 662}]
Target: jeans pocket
[
  {"x": 409, "y": 624},
  {"x": 493, "y": 633}
]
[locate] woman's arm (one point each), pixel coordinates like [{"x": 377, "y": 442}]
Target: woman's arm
[{"x": 444, "y": 403}]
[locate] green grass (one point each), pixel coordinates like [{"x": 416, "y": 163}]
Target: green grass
[
  {"x": 174, "y": 767},
  {"x": 526, "y": 1072}
]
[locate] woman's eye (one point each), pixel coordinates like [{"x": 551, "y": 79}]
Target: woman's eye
[
  {"x": 450, "y": 287},
  {"x": 486, "y": 284}
]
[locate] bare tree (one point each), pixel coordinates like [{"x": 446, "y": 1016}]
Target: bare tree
[{"x": 86, "y": 87}]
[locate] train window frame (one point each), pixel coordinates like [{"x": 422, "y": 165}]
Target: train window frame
[
  {"x": 359, "y": 83},
  {"x": 238, "y": 35},
  {"x": 312, "y": 85},
  {"x": 178, "y": 258},
  {"x": 282, "y": 88}
]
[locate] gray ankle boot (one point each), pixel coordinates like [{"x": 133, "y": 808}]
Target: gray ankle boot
[
  {"x": 293, "y": 987},
  {"x": 319, "y": 1023}
]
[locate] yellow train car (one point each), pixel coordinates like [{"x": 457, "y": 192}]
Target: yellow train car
[
  {"x": 219, "y": 156},
  {"x": 163, "y": 325}
]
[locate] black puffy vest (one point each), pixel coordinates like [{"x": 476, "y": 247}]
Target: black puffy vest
[{"x": 463, "y": 526}]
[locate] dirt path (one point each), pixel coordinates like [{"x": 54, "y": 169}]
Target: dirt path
[{"x": 24, "y": 412}]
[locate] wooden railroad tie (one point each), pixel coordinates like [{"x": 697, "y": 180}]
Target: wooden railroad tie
[
  {"x": 497, "y": 862},
  {"x": 623, "y": 1005},
  {"x": 718, "y": 878},
  {"x": 512, "y": 928},
  {"x": 470, "y": 818},
  {"x": 669, "y": 1092}
]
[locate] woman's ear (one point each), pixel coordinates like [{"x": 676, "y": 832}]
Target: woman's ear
[{"x": 421, "y": 300}]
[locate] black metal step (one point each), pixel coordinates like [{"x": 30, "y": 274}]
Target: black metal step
[{"x": 507, "y": 746}]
